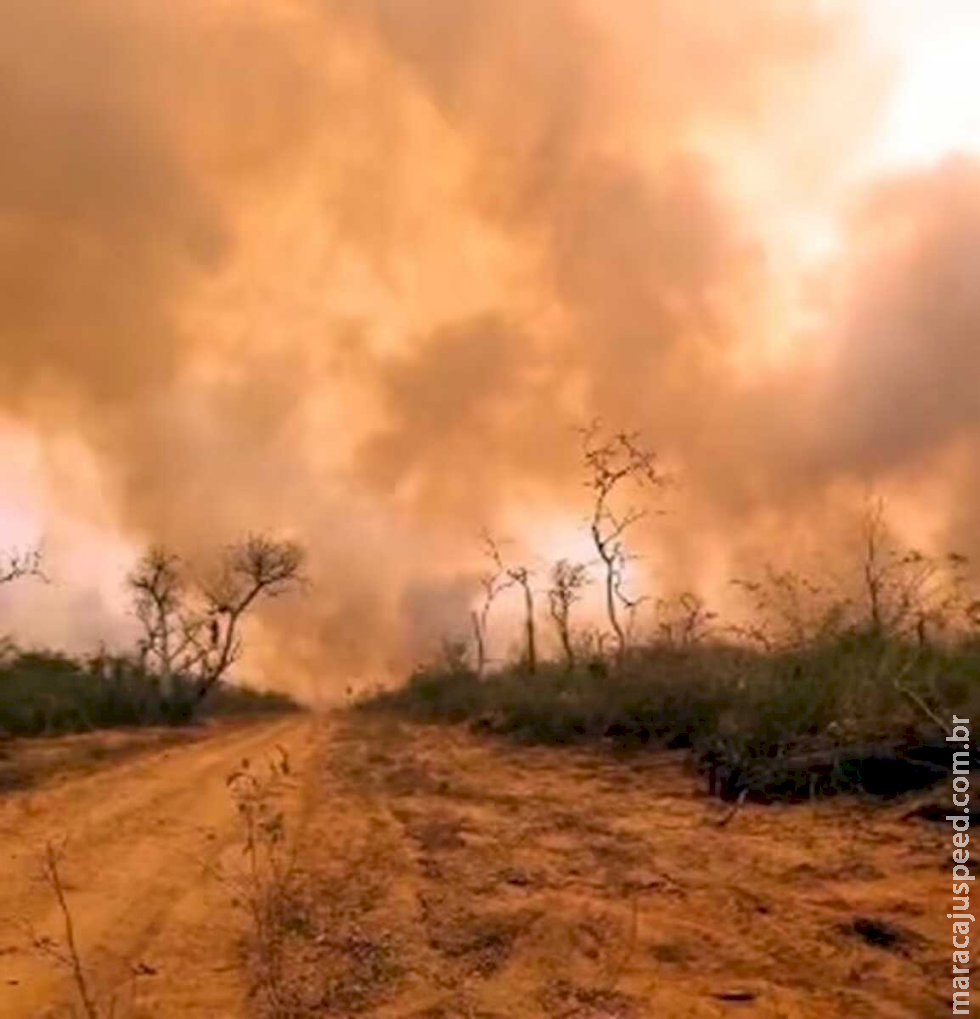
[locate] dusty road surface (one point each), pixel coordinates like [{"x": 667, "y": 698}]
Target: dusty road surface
[
  {"x": 439, "y": 875},
  {"x": 154, "y": 927}
]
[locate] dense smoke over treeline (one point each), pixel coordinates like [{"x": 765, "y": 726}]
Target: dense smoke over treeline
[{"x": 354, "y": 272}]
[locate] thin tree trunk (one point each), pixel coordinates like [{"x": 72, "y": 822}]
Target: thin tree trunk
[
  {"x": 532, "y": 651},
  {"x": 566, "y": 643},
  {"x": 481, "y": 651},
  {"x": 611, "y": 609}
]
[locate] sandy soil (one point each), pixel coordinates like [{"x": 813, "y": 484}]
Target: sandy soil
[
  {"x": 445, "y": 875},
  {"x": 144, "y": 837}
]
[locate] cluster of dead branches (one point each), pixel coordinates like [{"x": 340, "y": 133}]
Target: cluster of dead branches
[
  {"x": 493, "y": 582},
  {"x": 192, "y": 629},
  {"x": 14, "y": 565},
  {"x": 908, "y": 592},
  {"x": 898, "y": 594},
  {"x": 684, "y": 620},
  {"x": 789, "y": 609},
  {"x": 611, "y": 465},
  {"x": 498, "y": 578},
  {"x": 568, "y": 582},
  {"x": 903, "y": 594}
]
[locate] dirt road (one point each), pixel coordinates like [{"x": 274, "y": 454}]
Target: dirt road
[
  {"x": 443, "y": 876},
  {"x": 155, "y": 928}
]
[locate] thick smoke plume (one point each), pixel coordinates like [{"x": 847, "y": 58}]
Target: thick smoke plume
[{"x": 355, "y": 270}]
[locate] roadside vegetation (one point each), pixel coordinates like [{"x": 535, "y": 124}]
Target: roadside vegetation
[
  {"x": 841, "y": 714},
  {"x": 827, "y": 689},
  {"x": 191, "y": 634},
  {"x": 45, "y": 693}
]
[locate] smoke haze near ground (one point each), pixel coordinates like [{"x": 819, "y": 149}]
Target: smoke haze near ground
[{"x": 355, "y": 270}]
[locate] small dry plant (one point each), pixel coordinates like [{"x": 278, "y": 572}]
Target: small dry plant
[
  {"x": 64, "y": 951},
  {"x": 266, "y": 888}
]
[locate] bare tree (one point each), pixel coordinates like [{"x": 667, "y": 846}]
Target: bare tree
[
  {"x": 907, "y": 591},
  {"x": 195, "y": 631},
  {"x": 168, "y": 645},
  {"x": 492, "y": 582},
  {"x": 610, "y": 465},
  {"x": 257, "y": 567},
  {"x": 568, "y": 579},
  {"x": 894, "y": 593},
  {"x": 499, "y": 578}
]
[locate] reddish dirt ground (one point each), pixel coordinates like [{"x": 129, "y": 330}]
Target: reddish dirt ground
[
  {"x": 154, "y": 928},
  {"x": 446, "y": 875}
]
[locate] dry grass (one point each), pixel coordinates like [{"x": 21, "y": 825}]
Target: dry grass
[{"x": 843, "y": 714}]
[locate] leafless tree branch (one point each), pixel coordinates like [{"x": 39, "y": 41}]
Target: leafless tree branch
[
  {"x": 14, "y": 565},
  {"x": 609, "y": 464},
  {"x": 567, "y": 582},
  {"x": 195, "y": 630}
]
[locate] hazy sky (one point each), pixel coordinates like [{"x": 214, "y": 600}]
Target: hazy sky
[
  {"x": 353, "y": 270},
  {"x": 934, "y": 105}
]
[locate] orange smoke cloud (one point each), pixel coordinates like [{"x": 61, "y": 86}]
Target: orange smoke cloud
[{"x": 355, "y": 269}]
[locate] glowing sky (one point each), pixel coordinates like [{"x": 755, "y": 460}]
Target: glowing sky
[{"x": 934, "y": 105}]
